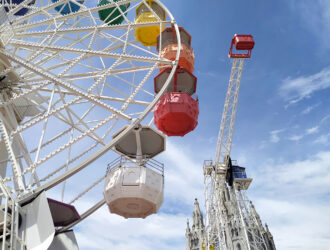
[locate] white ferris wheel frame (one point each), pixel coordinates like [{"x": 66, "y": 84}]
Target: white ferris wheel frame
[{"x": 10, "y": 35}]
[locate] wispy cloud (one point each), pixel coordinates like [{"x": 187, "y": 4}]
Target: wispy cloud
[
  {"x": 316, "y": 18},
  {"x": 296, "y": 137},
  {"x": 308, "y": 131},
  {"x": 324, "y": 119},
  {"x": 297, "y": 89},
  {"x": 274, "y": 135},
  {"x": 208, "y": 74},
  {"x": 307, "y": 175},
  {"x": 305, "y": 222},
  {"x": 107, "y": 231},
  {"x": 312, "y": 130},
  {"x": 309, "y": 109},
  {"x": 323, "y": 139},
  {"x": 296, "y": 201}
]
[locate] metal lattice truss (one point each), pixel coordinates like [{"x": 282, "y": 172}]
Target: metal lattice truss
[
  {"x": 214, "y": 180},
  {"x": 67, "y": 83},
  {"x": 226, "y": 131},
  {"x": 231, "y": 220},
  {"x": 250, "y": 222}
]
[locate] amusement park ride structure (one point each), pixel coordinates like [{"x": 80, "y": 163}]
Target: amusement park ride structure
[
  {"x": 231, "y": 220},
  {"x": 74, "y": 86}
]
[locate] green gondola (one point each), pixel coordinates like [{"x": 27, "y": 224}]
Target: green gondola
[{"x": 112, "y": 15}]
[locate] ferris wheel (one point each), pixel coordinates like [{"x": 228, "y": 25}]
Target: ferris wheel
[{"x": 76, "y": 80}]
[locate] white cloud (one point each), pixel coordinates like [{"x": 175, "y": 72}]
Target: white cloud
[
  {"x": 323, "y": 139},
  {"x": 184, "y": 172},
  {"x": 296, "y": 208},
  {"x": 297, "y": 225},
  {"x": 316, "y": 18},
  {"x": 308, "y": 131},
  {"x": 296, "y": 137},
  {"x": 274, "y": 135},
  {"x": 297, "y": 89},
  {"x": 309, "y": 109},
  {"x": 299, "y": 178},
  {"x": 312, "y": 130},
  {"x": 324, "y": 119},
  {"x": 107, "y": 231}
]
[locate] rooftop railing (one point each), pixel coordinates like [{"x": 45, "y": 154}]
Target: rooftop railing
[{"x": 123, "y": 161}]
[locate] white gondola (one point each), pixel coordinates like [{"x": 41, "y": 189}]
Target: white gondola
[{"x": 134, "y": 191}]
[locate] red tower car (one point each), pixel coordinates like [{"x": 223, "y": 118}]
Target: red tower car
[{"x": 241, "y": 42}]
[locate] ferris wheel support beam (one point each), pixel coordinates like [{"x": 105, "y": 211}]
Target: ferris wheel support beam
[
  {"x": 80, "y": 76},
  {"x": 88, "y": 52},
  {"x": 17, "y": 171},
  {"x": 65, "y": 85},
  {"x": 71, "y": 142},
  {"x": 88, "y": 29},
  {"x": 107, "y": 98},
  {"x": 84, "y": 215}
]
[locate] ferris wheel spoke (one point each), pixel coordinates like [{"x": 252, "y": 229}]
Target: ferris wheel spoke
[
  {"x": 65, "y": 85},
  {"x": 86, "y": 29},
  {"x": 69, "y": 162},
  {"x": 31, "y": 45},
  {"x": 43, "y": 116},
  {"x": 17, "y": 171},
  {"x": 87, "y": 75},
  {"x": 33, "y": 55},
  {"x": 131, "y": 84},
  {"x": 123, "y": 43},
  {"x": 81, "y": 121},
  {"x": 71, "y": 142},
  {"x": 52, "y": 55},
  {"x": 42, "y": 10},
  {"x": 74, "y": 126},
  {"x": 98, "y": 181},
  {"x": 101, "y": 97},
  {"x": 84, "y": 215},
  {"x": 57, "y": 114}
]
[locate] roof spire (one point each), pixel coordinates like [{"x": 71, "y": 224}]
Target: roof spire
[{"x": 197, "y": 216}]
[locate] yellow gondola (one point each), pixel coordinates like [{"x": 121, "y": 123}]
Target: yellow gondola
[{"x": 147, "y": 35}]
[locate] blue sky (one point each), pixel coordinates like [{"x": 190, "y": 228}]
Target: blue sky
[{"x": 282, "y": 133}]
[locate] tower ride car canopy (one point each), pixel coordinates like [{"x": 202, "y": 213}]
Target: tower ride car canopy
[
  {"x": 182, "y": 81},
  {"x": 69, "y": 7},
  {"x": 112, "y": 15},
  {"x": 176, "y": 114},
  {"x": 241, "y": 42},
  {"x": 11, "y": 4},
  {"x": 168, "y": 45},
  {"x": 147, "y": 35}
]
